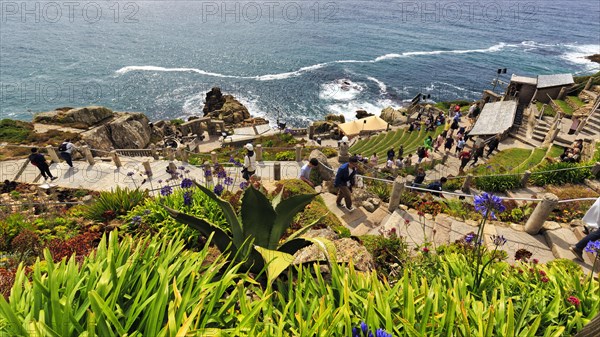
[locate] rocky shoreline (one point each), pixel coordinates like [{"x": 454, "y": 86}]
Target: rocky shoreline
[{"x": 103, "y": 129}]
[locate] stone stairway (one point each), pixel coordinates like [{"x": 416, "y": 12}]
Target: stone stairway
[
  {"x": 541, "y": 130},
  {"x": 592, "y": 128},
  {"x": 552, "y": 243}
]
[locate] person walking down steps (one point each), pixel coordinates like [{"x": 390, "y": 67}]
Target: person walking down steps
[
  {"x": 344, "y": 180},
  {"x": 66, "y": 151},
  {"x": 249, "y": 162},
  {"x": 592, "y": 219},
  {"x": 37, "y": 159}
]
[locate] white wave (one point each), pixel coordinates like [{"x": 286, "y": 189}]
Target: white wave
[
  {"x": 285, "y": 75},
  {"x": 382, "y": 86},
  {"x": 577, "y": 55},
  {"x": 125, "y": 70},
  {"x": 193, "y": 105},
  {"x": 340, "y": 90}
]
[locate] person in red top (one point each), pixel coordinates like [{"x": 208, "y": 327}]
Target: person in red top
[{"x": 464, "y": 157}]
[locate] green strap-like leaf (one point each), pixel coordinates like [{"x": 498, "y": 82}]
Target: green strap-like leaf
[
  {"x": 258, "y": 217},
  {"x": 286, "y": 210},
  {"x": 221, "y": 239},
  {"x": 275, "y": 261},
  {"x": 277, "y": 199},
  {"x": 327, "y": 247},
  {"x": 229, "y": 213}
]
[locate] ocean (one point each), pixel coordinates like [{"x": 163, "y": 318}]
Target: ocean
[{"x": 293, "y": 60}]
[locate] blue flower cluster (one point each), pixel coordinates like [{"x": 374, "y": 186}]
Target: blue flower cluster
[
  {"x": 166, "y": 190},
  {"x": 499, "y": 240},
  {"x": 187, "y": 183},
  {"x": 136, "y": 220},
  {"x": 363, "y": 331},
  {"x": 218, "y": 189},
  {"x": 187, "y": 198},
  {"x": 489, "y": 204},
  {"x": 593, "y": 247}
]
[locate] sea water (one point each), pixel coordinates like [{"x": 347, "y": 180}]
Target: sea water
[{"x": 293, "y": 60}]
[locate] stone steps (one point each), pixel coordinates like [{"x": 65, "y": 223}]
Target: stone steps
[{"x": 419, "y": 231}]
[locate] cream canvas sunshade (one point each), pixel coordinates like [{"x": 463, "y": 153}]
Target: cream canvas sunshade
[
  {"x": 495, "y": 118},
  {"x": 372, "y": 123}
]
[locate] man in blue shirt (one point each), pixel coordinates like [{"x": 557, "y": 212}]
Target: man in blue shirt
[
  {"x": 344, "y": 180},
  {"x": 437, "y": 186}
]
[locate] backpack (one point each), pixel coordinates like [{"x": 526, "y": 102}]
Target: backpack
[{"x": 62, "y": 147}]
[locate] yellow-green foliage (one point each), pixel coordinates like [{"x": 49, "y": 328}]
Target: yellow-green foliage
[{"x": 315, "y": 210}]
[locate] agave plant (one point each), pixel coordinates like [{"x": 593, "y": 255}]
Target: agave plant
[{"x": 255, "y": 237}]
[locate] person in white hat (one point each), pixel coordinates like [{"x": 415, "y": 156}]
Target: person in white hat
[{"x": 249, "y": 162}]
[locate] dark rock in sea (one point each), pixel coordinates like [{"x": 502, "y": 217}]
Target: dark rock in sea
[
  {"x": 362, "y": 114},
  {"x": 228, "y": 109},
  {"x": 594, "y": 58}
]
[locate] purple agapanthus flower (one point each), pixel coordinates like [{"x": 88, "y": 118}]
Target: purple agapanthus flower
[
  {"x": 593, "y": 247},
  {"x": 187, "y": 183},
  {"x": 499, "y": 240},
  {"x": 489, "y": 204},
  {"x": 364, "y": 327},
  {"x": 221, "y": 174},
  {"x": 382, "y": 333},
  {"x": 136, "y": 220},
  {"x": 469, "y": 238},
  {"x": 228, "y": 181},
  {"x": 166, "y": 190},
  {"x": 243, "y": 185},
  {"x": 187, "y": 198},
  {"x": 237, "y": 163},
  {"x": 207, "y": 173},
  {"x": 182, "y": 168},
  {"x": 218, "y": 189}
]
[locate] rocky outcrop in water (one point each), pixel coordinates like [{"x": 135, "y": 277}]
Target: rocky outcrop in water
[
  {"x": 362, "y": 114},
  {"x": 394, "y": 117},
  {"x": 227, "y": 109}
]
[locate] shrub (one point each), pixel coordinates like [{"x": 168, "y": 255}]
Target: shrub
[
  {"x": 454, "y": 184},
  {"x": 540, "y": 176},
  {"x": 390, "y": 253},
  {"x": 381, "y": 189},
  {"x": 26, "y": 244},
  {"x": 11, "y": 227},
  {"x": 285, "y": 156},
  {"x": 497, "y": 183},
  {"x": 329, "y": 152},
  {"x": 80, "y": 245},
  {"x": 457, "y": 208},
  {"x": 150, "y": 217},
  {"x": 315, "y": 210},
  {"x": 12, "y": 131},
  {"x": 110, "y": 205}
]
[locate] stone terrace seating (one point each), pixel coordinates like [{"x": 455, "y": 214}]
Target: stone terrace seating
[{"x": 263, "y": 128}]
